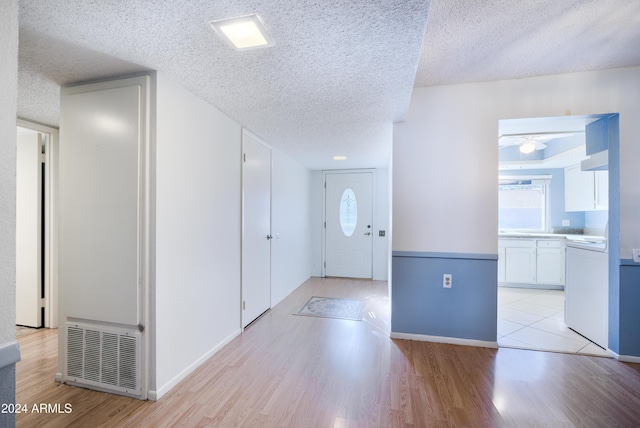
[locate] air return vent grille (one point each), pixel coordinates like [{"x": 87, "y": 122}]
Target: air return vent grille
[{"x": 103, "y": 357}]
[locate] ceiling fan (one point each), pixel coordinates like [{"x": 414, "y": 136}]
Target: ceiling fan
[{"x": 528, "y": 143}]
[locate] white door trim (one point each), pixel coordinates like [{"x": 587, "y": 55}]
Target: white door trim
[
  {"x": 373, "y": 171},
  {"x": 50, "y": 231}
]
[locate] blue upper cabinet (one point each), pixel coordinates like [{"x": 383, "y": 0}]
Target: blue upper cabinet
[{"x": 597, "y": 136}]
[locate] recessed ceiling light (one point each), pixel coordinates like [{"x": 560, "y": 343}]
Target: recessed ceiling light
[
  {"x": 339, "y": 158},
  {"x": 243, "y": 33}
]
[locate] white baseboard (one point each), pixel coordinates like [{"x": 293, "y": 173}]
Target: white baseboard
[
  {"x": 629, "y": 359},
  {"x": 155, "y": 395},
  {"x": 442, "y": 339},
  {"x": 624, "y": 358}
]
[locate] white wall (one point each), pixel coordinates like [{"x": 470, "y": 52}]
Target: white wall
[
  {"x": 317, "y": 217},
  {"x": 445, "y": 156},
  {"x": 290, "y": 225},
  {"x": 9, "y": 88},
  {"x": 197, "y": 292},
  {"x": 381, "y": 221},
  {"x": 381, "y": 210}
]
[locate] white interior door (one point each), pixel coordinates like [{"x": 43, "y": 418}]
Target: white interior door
[
  {"x": 349, "y": 225},
  {"x": 29, "y": 249},
  {"x": 256, "y": 229}
]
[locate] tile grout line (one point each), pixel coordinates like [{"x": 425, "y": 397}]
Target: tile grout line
[{"x": 543, "y": 317}]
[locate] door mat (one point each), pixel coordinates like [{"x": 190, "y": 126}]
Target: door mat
[{"x": 331, "y": 307}]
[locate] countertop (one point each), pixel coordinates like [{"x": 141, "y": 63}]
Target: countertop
[{"x": 568, "y": 237}]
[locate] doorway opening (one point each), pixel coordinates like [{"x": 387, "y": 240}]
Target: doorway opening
[
  {"x": 554, "y": 181},
  {"x": 36, "y": 228}
]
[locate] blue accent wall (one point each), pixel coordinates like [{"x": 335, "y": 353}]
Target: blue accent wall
[
  {"x": 420, "y": 304},
  {"x": 596, "y": 219},
  {"x": 629, "y": 321},
  {"x": 615, "y": 309},
  {"x": 597, "y": 136}
]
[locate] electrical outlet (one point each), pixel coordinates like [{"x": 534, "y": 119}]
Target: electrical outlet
[
  {"x": 566, "y": 222},
  {"x": 636, "y": 255},
  {"x": 447, "y": 280}
]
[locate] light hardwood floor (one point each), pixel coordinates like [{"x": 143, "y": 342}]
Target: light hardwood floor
[{"x": 298, "y": 371}]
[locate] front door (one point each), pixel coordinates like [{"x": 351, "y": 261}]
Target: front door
[
  {"x": 349, "y": 225},
  {"x": 256, "y": 229}
]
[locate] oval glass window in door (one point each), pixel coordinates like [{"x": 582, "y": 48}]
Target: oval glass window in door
[{"x": 348, "y": 212}]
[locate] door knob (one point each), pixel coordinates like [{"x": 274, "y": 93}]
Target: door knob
[
  {"x": 269, "y": 237},
  {"x": 368, "y": 233}
]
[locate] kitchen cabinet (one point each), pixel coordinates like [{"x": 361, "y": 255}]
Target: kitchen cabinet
[
  {"x": 531, "y": 261},
  {"x": 585, "y": 190},
  {"x": 550, "y": 267},
  {"x": 520, "y": 265},
  {"x": 578, "y": 189}
]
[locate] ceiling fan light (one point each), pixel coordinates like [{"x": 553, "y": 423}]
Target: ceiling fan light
[{"x": 527, "y": 147}]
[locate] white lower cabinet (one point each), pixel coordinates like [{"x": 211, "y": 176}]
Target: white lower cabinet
[
  {"x": 531, "y": 261},
  {"x": 550, "y": 262},
  {"x": 520, "y": 265}
]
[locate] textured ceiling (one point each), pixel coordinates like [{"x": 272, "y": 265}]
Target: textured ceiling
[
  {"x": 342, "y": 71},
  {"x": 340, "y": 74},
  {"x": 474, "y": 41}
]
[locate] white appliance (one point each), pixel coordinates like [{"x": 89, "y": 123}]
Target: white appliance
[{"x": 587, "y": 290}]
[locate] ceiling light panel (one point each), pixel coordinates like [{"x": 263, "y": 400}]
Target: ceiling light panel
[{"x": 243, "y": 33}]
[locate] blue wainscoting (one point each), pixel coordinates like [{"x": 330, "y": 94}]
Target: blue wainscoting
[
  {"x": 629, "y": 322},
  {"x": 421, "y": 306}
]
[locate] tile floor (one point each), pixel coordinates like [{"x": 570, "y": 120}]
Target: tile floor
[{"x": 534, "y": 319}]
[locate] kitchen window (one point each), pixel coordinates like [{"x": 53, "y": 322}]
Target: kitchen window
[{"x": 523, "y": 203}]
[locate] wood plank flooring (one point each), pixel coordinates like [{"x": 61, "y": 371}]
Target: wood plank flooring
[{"x": 299, "y": 371}]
